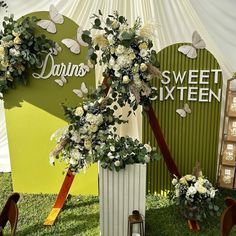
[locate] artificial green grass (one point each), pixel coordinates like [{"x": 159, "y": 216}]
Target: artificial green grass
[{"x": 80, "y": 215}]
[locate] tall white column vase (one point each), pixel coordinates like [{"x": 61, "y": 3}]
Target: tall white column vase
[{"x": 119, "y": 194}]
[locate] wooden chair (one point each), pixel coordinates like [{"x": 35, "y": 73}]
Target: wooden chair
[
  {"x": 10, "y": 213},
  {"x": 228, "y": 217}
]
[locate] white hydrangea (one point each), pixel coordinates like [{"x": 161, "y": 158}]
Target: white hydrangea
[
  {"x": 75, "y": 154},
  {"x": 191, "y": 190},
  {"x": 117, "y": 163},
  {"x": 76, "y": 137}
]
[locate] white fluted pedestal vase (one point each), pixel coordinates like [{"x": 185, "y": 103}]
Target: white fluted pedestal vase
[{"x": 119, "y": 194}]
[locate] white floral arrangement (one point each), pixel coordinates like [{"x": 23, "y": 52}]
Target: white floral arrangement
[
  {"x": 90, "y": 125},
  {"x": 20, "y": 48},
  {"x": 127, "y": 54},
  {"x": 195, "y": 195},
  {"x": 117, "y": 152}
]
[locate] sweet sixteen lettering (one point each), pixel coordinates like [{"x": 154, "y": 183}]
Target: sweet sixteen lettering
[{"x": 197, "y": 88}]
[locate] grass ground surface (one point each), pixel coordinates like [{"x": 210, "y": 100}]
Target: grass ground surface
[{"x": 81, "y": 215}]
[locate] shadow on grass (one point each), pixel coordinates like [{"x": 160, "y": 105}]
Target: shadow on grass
[
  {"x": 168, "y": 221},
  {"x": 71, "y": 224},
  {"x": 81, "y": 202}
]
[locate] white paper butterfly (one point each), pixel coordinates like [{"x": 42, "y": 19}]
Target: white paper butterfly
[
  {"x": 74, "y": 45},
  {"x": 61, "y": 81},
  {"x": 55, "y": 18},
  {"x": 82, "y": 91},
  {"x": 183, "y": 112},
  {"x": 190, "y": 50}
]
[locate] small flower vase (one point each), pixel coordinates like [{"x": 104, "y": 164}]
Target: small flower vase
[{"x": 190, "y": 212}]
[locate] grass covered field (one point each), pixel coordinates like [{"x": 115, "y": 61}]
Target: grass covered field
[{"x": 81, "y": 215}]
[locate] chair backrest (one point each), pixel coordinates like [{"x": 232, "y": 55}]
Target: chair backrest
[
  {"x": 10, "y": 213},
  {"x": 228, "y": 217}
]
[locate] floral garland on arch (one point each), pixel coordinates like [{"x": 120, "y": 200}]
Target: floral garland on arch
[
  {"x": 90, "y": 125},
  {"x": 90, "y": 137},
  {"x": 127, "y": 54},
  {"x": 130, "y": 64},
  {"x": 20, "y": 48}
]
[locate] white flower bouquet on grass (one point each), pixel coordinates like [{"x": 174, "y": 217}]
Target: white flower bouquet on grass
[{"x": 194, "y": 194}]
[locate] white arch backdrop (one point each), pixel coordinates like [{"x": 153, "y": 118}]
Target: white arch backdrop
[{"x": 214, "y": 19}]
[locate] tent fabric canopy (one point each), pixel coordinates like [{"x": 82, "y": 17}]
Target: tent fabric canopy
[{"x": 176, "y": 20}]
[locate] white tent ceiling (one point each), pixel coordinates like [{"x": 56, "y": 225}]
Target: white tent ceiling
[{"x": 214, "y": 19}]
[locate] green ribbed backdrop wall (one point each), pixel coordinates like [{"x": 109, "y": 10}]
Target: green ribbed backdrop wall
[{"x": 190, "y": 139}]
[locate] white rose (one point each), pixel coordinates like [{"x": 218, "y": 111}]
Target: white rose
[
  {"x": 201, "y": 189},
  {"x": 183, "y": 181},
  {"x": 126, "y": 79},
  {"x": 143, "y": 53},
  {"x": 188, "y": 177},
  {"x": 87, "y": 144},
  {"x": 116, "y": 67},
  {"x": 117, "y": 74},
  {"x": 85, "y": 107},
  {"x": 148, "y": 147},
  {"x": 79, "y": 111},
  {"x": 117, "y": 163},
  {"x": 132, "y": 56},
  {"x": 93, "y": 128},
  {"x": 112, "y": 148},
  {"x": 147, "y": 158},
  {"x": 143, "y": 45},
  {"x": 110, "y": 155},
  {"x": 174, "y": 181},
  {"x": 143, "y": 67},
  {"x": 120, "y": 49}
]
